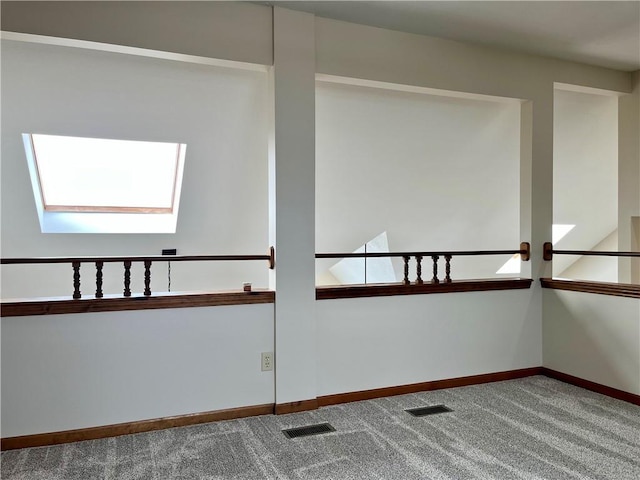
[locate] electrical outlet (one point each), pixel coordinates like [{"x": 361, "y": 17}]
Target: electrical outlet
[{"x": 267, "y": 361}]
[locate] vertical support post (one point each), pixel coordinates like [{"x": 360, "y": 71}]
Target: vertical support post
[
  {"x": 147, "y": 277},
  {"x": 419, "y": 270},
  {"x": 127, "y": 278},
  {"x": 365, "y": 263},
  {"x": 629, "y": 182},
  {"x": 435, "y": 278},
  {"x": 99, "y": 279},
  {"x": 406, "y": 280},
  {"x": 447, "y": 268},
  {"x": 292, "y": 230},
  {"x": 76, "y": 280}
]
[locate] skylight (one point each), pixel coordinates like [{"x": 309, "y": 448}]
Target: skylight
[
  {"x": 101, "y": 175},
  {"x": 96, "y": 185}
]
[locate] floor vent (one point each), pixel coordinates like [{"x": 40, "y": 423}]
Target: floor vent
[
  {"x": 308, "y": 430},
  {"x": 422, "y": 411}
]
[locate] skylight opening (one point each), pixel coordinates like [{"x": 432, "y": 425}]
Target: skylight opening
[
  {"x": 97, "y": 185},
  {"x": 77, "y": 174}
]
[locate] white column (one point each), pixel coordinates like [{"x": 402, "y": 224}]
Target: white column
[
  {"x": 629, "y": 180},
  {"x": 292, "y": 204},
  {"x": 526, "y": 185},
  {"x": 542, "y": 181},
  {"x": 540, "y": 112}
]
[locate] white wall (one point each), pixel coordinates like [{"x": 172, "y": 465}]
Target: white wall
[
  {"x": 597, "y": 269},
  {"x": 344, "y": 49},
  {"x": 239, "y": 31},
  {"x": 62, "y": 372},
  {"x": 369, "y": 343},
  {"x": 434, "y": 172},
  {"x": 359, "y": 51},
  {"x": 585, "y": 173},
  {"x": 364, "y": 52},
  {"x": 595, "y": 337},
  {"x": 220, "y": 113}
]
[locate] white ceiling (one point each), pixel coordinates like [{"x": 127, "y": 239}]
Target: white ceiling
[{"x": 603, "y": 33}]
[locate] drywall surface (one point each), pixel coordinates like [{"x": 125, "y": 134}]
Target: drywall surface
[
  {"x": 387, "y": 341},
  {"x": 62, "y": 372},
  {"x": 358, "y": 51},
  {"x": 597, "y": 269},
  {"x": 220, "y": 113},
  {"x": 434, "y": 172},
  {"x": 585, "y": 171},
  {"x": 363, "y": 52},
  {"x": 595, "y": 337},
  {"x": 228, "y": 30}
]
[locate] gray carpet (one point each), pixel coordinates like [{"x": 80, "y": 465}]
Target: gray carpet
[{"x": 532, "y": 428}]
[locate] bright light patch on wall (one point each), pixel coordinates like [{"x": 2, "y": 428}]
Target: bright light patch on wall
[
  {"x": 559, "y": 231},
  {"x": 95, "y": 185},
  {"x": 370, "y": 270},
  {"x": 513, "y": 265}
]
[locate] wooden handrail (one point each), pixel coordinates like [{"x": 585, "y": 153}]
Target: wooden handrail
[
  {"x": 597, "y": 253},
  {"x": 524, "y": 252},
  {"x": 127, "y": 261},
  {"x": 150, "y": 258},
  {"x": 549, "y": 251}
]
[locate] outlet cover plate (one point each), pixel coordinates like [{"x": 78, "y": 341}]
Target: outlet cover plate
[{"x": 267, "y": 361}]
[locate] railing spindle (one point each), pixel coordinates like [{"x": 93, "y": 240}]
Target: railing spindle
[
  {"x": 435, "y": 269},
  {"x": 406, "y": 280},
  {"x": 147, "y": 277},
  {"x": 76, "y": 280},
  {"x": 447, "y": 268},
  {"x": 127, "y": 278},
  {"x": 99, "y": 279},
  {"x": 419, "y": 269}
]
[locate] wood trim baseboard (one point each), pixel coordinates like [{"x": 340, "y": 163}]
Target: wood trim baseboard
[
  {"x": 602, "y": 288},
  {"x": 299, "y": 406},
  {"x": 93, "y": 433},
  {"x": 593, "y": 386},
  {"x": 386, "y": 290},
  {"x": 54, "y": 306},
  {"x": 426, "y": 386}
]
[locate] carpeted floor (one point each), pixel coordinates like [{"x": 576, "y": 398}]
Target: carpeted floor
[{"x": 532, "y": 428}]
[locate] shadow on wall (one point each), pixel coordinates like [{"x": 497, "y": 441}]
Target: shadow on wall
[{"x": 592, "y": 337}]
